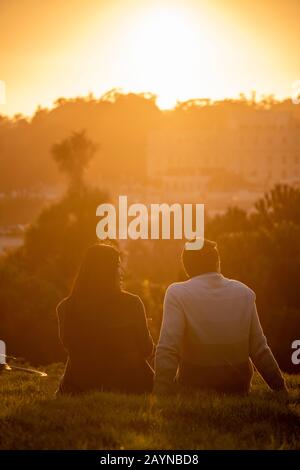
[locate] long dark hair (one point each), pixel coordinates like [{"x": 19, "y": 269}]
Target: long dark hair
[
  {"x": 96, "y": 284},
  {"x": 98, "y": 275}
]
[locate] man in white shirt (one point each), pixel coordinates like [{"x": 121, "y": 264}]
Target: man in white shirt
[{"x": 211, "y": 333}]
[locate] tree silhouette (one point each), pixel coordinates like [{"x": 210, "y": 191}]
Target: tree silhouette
[
  {"x": 282, "y": 203},
  {"x": 73, "y": 156}
]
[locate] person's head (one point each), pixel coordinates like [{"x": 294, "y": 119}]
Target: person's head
[
  {"x": 205, "y": 260},
  {"x": 98, "y": 275}
]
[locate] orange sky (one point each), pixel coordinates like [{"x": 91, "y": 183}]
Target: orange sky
[{"x": 176, "y": 49}]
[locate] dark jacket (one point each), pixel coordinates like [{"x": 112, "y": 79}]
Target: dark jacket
[{"x": 107, "y": 349}]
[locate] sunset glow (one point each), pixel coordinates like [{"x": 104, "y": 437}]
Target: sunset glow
[
  {"x": 175, "y": 49},
  {"x": 149, "y": 231},
  {"x": 159, "y": 50}
]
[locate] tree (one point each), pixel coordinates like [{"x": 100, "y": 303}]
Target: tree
[
  {"x": 281, "y": 204},
  {"x": 36, "y": 276},
  {"x": 73, "y": 156}
]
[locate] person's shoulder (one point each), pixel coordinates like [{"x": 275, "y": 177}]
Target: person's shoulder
[
  {"x": 129, "y": 295},
  {"x": 176, "y": 288},
  {"x": 242, "y": 288},
  {"x": 61, "y": 307},
  {"x": 131, "y": 298}
]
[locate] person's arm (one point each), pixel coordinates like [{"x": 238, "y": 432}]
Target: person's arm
[
  {"x": 262, "y": 357},
  {"x": 168, "y": 350},
  {"x": 144, "y": 337}
]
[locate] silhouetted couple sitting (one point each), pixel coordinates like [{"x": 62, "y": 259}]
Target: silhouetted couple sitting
[{"x": 209, "y": 338}]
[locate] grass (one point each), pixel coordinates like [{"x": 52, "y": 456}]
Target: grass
[{"x": 31, "y": 418}]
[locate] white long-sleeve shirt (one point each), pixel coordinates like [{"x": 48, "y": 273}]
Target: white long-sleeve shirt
[{"x": 209, "y": 332}]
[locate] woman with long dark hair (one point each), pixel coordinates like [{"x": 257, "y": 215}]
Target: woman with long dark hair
[{"x": 104, "y": 329}]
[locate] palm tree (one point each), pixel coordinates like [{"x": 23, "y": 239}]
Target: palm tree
[{"x": 73, "y": 156}]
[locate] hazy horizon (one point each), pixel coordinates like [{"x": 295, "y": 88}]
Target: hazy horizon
[{"x": 91, "y": 96}]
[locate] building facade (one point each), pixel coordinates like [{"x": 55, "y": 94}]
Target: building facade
[{"x": 259, "y": 148}]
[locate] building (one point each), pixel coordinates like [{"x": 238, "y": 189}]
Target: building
[{"x": 258, "y": 148}]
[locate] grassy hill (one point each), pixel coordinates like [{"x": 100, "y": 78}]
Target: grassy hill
[{"x": 31, "y": 418}]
